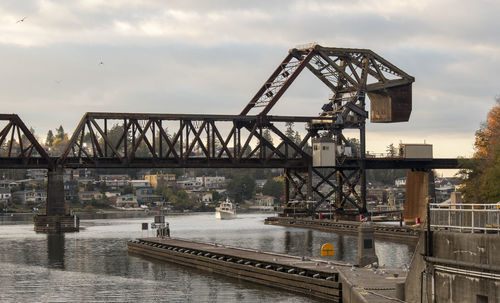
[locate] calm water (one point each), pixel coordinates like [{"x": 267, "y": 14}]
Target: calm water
[{"x": 93, "y": 265}]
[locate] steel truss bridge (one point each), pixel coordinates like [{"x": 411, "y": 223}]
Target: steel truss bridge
[{"x": 252, "y": 139}]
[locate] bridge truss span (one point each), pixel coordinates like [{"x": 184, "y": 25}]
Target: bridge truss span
[
  {"x": 169, "y": 140},
  {"x": 18, "y": 146},
  {"x": 254, "y": 138}
]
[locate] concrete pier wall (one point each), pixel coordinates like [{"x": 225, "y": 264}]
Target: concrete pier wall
[{"x": 463, "y": 267}]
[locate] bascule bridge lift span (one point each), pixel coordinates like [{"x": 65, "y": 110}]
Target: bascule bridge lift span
[{"x": 351, "y": 75}]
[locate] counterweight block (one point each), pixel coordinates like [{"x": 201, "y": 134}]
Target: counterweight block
[{"x": 391, "y": 104}]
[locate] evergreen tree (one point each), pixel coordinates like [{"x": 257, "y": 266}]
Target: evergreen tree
[
  {"x": 266, "y": 134},
  {"x": 50, "y": 138},
  {"x": 241, "y": 186},
  {"x": 60, "y": 132},
  {"x": 289, "y": 132},
  {"x": 296, "y": 138},
  {"x": 273, "y": 188}
]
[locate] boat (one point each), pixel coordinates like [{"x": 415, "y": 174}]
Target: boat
[{"x": 226, "y": 210}]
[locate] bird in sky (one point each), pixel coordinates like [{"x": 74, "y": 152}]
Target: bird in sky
[{"x": 22, "y": 20}]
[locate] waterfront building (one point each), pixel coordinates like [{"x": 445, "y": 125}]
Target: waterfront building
[
  {"x": 127, "y": 201},
  {"x": 211, "y": 182},
  {"x": 31, "y": 196},
  {"x": 262, "y": 202},
  {"x": 155, "y": 179},
  {"x": 88, "y": 196},
  {"x": 5, "y": 195}
]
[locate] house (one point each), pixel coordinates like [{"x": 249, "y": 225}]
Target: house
[
  {"x": 88, "y": 196},
  {"x": 70, "y": 190},
  {"x": 206, "y": 197},
  {"x": 259, "y": 184},
  {"x": 109, "y": 194},
  {"x": 127, "y": 201},
  {"x": 145, "y": 195},
  {"x": 31, "y": 196},
  {"x": 211, "y": 182},
  {"x": 262, "y": 202},
  {"x": 5, "y": 195},
  {"x": 139, "y": 183},
  {"x": 114, "y": 181},
  {"x": 377, "y": 194},
  {"x": 36, "y": 174},
  {"x": 189, "y": 184},
  {"x": 155, "y": 179},
  {"x": 444, "y": 192},
  {"x": 7, "y": 184},
  {"x": 399, "y": 182}
]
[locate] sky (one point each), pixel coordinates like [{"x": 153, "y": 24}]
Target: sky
[{"x": 212, "y": 56}]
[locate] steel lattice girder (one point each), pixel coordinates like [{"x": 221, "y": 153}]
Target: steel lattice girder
[
  {"x": 298, "y": 180},
  {"x": 18, "y": 146},
  {"x": 346, "y": 71},
  {"x": 143, "y": 137}
]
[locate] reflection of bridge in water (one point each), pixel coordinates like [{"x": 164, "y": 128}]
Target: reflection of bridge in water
[{"x": 252, "y": 139}]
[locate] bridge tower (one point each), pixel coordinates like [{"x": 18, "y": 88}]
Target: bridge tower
[{"x": 351, "y": 75}]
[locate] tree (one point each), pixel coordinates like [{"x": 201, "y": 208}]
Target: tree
[
  {"x": 391, "y": 150},
  {"x": 289, "y": 133},
  {"x": 127, "y": 189},
  {"x": 59, "y": 144},
  {"x": 60, "y": 132},
  {"x": 481, "y": 177},
  {"x": 296, "y": 138},
  {"x": 241, "y": 187},
  {"x": 178, "y": 197},
  {"x": 50, "y": 138},
  {"x": 355, "y": 146},
  {"x": 273, "y": 188},
  {"x": 266, "y": 134},
  {"x": 216, "y": 196}
]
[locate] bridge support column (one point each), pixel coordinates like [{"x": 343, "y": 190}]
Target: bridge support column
[
  {"x": 419, "y": 186},
  {"x": 56, "y": 218},
  {"x": 286, "y": 188}
]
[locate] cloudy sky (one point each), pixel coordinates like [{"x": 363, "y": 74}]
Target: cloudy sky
[{"x": 212, "y": 56}]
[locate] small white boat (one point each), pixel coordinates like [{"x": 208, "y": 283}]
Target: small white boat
[{"x": 226, "y": 210}]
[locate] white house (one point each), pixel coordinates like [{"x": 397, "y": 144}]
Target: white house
[
  {"x": 5, "y": 195},
  {"x": 127, "y": 201},
  {"x": 265, "y": 203}
]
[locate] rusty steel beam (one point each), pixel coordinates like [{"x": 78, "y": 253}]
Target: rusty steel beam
[
  {"x": 22, "y": 148},
  {"x": 201, "y": 132}
]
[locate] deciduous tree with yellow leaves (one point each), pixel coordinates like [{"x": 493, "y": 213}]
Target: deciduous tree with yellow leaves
[{"x": 482, "y": 176}]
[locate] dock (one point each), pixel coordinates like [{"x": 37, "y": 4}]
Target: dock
[
  {"x": 382, "y": 231},
  {"x": 320, "y": 279}
]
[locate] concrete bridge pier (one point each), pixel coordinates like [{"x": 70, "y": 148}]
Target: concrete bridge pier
[
  {"x": 57, "y": 217},
  {"x": 419, "y": 188}
]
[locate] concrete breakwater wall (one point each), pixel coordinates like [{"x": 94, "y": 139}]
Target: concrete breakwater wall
[
  {"x": 382, "y": 231},
  {"x": 286, "y": 272},
  {"x": 331, "y": 281}
]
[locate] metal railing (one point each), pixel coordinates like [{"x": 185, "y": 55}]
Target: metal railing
[{"x": 465, "y": 217}]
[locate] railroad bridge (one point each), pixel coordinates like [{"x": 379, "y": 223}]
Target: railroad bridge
[{"x": 251, "y": 139}]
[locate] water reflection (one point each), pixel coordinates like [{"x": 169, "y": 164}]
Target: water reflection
[
  {"x": 55, "y": 250},
  {"x": 339, "y": 249},
  {"x": 93, "y": 265}
]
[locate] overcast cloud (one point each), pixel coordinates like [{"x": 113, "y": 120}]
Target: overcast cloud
[{"x": 212, "y": 56}]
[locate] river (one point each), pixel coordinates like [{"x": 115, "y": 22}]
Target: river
[{"x": 93, "y": 266}]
